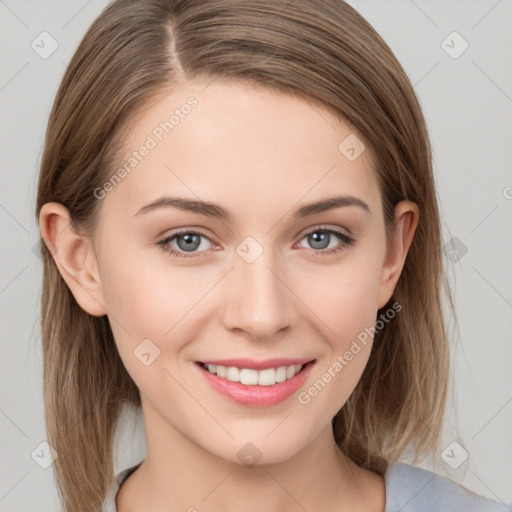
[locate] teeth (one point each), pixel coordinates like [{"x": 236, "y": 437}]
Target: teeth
[
  {"x": 250, "y": 377},
  {"x": 281, "y": 374},
  {"x": 268, "y": 377},
  {"x": 233, "y": 374}
]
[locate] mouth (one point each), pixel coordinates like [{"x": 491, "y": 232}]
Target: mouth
[
  {"x": 255, "y": 383},
  {"x": 253, "y": 377}
]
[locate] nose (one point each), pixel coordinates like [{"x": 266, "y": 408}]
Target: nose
[{"x": 259, "y": 301}]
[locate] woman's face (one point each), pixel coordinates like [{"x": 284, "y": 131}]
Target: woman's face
[{"x": 245, "y": 272}]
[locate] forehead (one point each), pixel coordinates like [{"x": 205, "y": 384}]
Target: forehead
[{"x": 240, "y": 145}]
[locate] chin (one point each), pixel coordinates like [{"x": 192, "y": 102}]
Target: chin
[{"x": 259, "y": 448}]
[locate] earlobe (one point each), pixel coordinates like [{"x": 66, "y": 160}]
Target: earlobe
[
  {"x": 74, "y": 257},
  {"x": 406, "y": 221}
]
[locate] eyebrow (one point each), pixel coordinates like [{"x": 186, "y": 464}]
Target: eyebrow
[{"x": 209, "y": 209}]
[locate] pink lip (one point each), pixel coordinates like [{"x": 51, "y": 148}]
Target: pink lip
[
  {"x": 257, "y": 395},
  {"x": 257, "y": 365}
]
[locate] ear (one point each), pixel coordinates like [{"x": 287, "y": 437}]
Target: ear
[
  {"x": 74, "y": 256},
  {"x": 406, "y": 221}
]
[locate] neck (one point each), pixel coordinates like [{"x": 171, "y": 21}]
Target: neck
[{"x": 178, "y": 475}]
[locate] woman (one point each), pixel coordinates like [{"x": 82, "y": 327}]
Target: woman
[{"x": 242, "y": 237}]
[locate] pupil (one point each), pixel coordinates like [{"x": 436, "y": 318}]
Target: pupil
[
  {"x": 319, "y": 238},
  {"x": 191, "y": 242}
]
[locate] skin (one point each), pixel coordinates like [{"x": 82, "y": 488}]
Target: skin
[{"x": 259, "y": 154}]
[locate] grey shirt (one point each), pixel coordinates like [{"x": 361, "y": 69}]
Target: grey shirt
[{"x": 408, "y": 489}]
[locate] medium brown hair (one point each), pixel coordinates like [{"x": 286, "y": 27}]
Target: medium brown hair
[{"x": 322, "y": 51}]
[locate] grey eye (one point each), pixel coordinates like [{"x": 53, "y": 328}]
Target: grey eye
[
  {"x": 319, "y": 239},
  {"x": 188, "y": 242}
]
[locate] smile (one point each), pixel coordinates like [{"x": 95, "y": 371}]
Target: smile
[
  {"x": 256, "y": 383},
  {"x": 250, "y": 377}
]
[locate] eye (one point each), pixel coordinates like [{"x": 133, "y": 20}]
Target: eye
[
  {"x": 189, "y": 244},
  {"x": 186, "y": 241},
  {"x": 321, "y": 238}
]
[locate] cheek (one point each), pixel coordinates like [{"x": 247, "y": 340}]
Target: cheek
[
  {"x": 146, "y": 295},
  {"x": 135, "y": 304},
  {"x": 149, "y": 299},
  {"x": 344, "y": 301},
  {"x": 344, "y": 298},
  {"x": 333, "y": 382}
]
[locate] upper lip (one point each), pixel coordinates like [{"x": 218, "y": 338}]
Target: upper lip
[{"x": 258, "y": 365}]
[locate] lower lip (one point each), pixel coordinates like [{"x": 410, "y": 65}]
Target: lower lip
[{"x": 257, "y": 395}]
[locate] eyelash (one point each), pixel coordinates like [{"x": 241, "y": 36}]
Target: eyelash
[{"x": 346, "y": 242}]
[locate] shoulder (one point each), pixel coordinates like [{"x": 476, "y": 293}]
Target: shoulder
[
  {"x": 413, "y": 489},
  {"x": 109, "y": 504}
]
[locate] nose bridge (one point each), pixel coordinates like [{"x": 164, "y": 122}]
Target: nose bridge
[{"x": 261, "y": 303}]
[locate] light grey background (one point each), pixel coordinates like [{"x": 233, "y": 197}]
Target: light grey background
[{"x": 467, "y": 102}]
